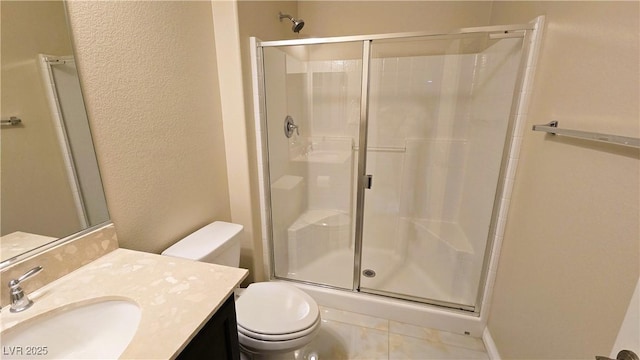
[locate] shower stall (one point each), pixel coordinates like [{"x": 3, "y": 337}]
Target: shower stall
[{"x": 385, "y": 159}]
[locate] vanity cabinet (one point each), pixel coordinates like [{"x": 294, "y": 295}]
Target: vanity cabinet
[{"x": 218, "y": 339}]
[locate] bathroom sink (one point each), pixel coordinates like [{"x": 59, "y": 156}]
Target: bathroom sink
[{"x": 96, "y": 330}]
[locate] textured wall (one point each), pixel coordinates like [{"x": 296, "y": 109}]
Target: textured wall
[
  {"x": 569, "y": 261},
  {"x": 148, "y": 70}
]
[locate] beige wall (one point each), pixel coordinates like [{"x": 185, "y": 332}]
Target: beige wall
[
  {"x": 260, "y": 19},
  {"x": 338, "y": 18},
  {"x": 36, "y": 194},
  {"x": 569, "y": 261},
  {"x": 148, "y": 70}
]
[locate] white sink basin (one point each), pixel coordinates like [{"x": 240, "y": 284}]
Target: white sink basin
[{"x": 97, "y": 330}]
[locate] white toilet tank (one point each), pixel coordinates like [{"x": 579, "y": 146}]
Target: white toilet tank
[{"x": 216, "y": 243}]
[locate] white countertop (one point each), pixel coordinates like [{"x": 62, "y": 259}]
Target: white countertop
[{"x": 176, "y": 296}]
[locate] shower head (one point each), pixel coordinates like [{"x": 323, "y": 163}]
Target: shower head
[{"x": 298, "y": 24}]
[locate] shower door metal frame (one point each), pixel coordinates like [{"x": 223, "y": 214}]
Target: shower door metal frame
[
  {"x": 367, "y": 40},
  {"x": 362, "y": 163},
  {"x": 342, "y": 39}
]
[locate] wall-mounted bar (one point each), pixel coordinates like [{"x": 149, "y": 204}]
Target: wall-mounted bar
[
  {"x": 57, "y": 60},
  {"x": 12, "y": 121},
  {"x": 383, "y": 149},
  {"x": 552, "y": 128}
]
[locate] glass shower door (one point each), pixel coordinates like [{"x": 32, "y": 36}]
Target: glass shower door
[
  {"x": 312, "y": 97},
  {"x": 439, "y": 110}
]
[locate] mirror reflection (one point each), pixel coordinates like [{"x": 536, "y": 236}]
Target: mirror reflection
[{"x": 50, "y": 183}]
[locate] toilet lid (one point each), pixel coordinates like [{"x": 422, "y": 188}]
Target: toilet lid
[{"x": 275, "y": 308}]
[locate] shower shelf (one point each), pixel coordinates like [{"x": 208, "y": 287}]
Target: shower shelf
[{"x": 552, "y": 128}]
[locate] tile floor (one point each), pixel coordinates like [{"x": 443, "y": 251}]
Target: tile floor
[{"x": 347, "y": 335}]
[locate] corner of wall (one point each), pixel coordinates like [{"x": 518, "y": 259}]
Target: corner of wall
[
  {"x": 490, "y": 346},
  {"x": 227, "y": 36}
]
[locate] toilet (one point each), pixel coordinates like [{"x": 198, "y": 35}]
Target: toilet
[{"x": 275, "y": 319}]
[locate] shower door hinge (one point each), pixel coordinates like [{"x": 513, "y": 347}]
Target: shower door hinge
[{"x": 368, "y": 181}]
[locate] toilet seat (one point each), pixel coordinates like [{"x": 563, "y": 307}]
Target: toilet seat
[
  {"x": 275, "y": 310},
  {"x": 279, "y": 337},
  {"x": 260, "y": 346},
  {"x": 275, "y": 317}
]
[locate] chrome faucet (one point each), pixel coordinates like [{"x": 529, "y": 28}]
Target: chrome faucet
[{"x": 19, "y": 301}]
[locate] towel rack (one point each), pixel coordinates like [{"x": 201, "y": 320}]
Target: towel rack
[
  {"x": 552, "y": 128},
  {"x": 392, "y": 149},
  {"x": 12, "y": 121}
]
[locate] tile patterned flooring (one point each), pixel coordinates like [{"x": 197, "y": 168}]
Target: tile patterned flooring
[{"x": 347, "y": 335}]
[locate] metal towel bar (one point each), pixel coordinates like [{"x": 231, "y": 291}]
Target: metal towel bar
[
  {"x": 383, "y": 149},
  {"x": 12, "y": 121},
  {"x": 552, "y": 128}
]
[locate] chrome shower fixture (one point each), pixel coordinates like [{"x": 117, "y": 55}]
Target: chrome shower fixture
[{"x": 298, "y": 24}]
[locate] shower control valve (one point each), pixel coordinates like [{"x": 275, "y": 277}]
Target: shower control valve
[{"x": 290, "y": 126}]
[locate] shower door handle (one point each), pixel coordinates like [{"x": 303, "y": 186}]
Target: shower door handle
[{"x": 368, "y": 181}]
